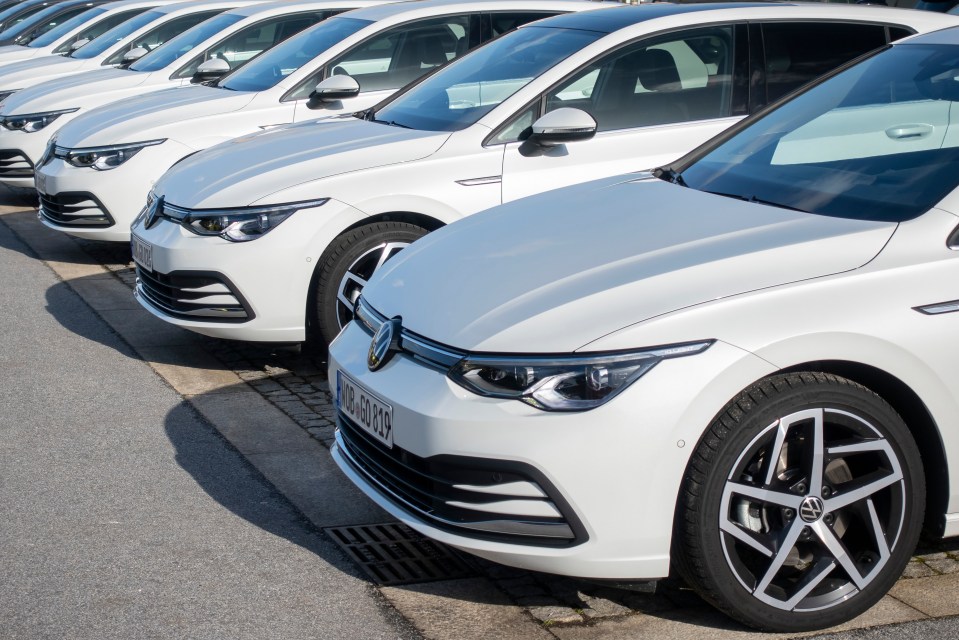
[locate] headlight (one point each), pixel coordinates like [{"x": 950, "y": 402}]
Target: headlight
[
  {"x": 103, "y": 158},
  {"x": 237, "y": 225},
  {"x": 563, "y": 383},
  {"x": 31, "y": 122}
]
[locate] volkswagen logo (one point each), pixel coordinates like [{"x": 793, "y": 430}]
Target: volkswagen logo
[
  {"x": 153, "y": 213},
  {"x": 811, "y": 509},
  {"x": 385, "y": 343}
]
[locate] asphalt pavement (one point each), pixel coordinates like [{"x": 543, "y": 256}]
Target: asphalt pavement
[{"x": 124, "y": 514}]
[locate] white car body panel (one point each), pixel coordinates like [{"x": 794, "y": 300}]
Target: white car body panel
[
  {"x": 218, "y": 115},
  {"x": 464, "y": 175},
  {"x": 95, "y": 88}
]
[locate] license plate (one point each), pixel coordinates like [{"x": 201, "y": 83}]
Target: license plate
[
  {"x": 40, "y": 181},
  {"x": 142, "y": 252},
  {"x": 372, "y": 414}
]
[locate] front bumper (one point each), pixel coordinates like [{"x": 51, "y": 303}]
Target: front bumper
[
  {"x": 612, "y": 474},
  {"x": 120, "y": 193},
  {"x": 257, "y": 291}
]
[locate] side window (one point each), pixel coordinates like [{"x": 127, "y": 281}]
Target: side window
[
  {"x": 398, "y": 56},
  {"x": 155, "y": 37},
  {"x": 247, "y": 43},
  {"x": 94, "y": 31},
  {"x": 501, "y": 23},
  {"x": 682, "y": 77},
  {"x": 797, "y": 53},
  {"x": 41, "y": 29}
]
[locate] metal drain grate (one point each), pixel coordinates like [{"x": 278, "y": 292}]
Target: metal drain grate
[{"x": 392, "y": 554}]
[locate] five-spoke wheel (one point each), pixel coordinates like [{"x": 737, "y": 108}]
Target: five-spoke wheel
[{"x": 802, "y": 503}]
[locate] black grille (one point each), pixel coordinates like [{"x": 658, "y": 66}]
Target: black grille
[
  {"x": 425, "y": 485},
  {"x": 15, "y": 164},
  {"x": 187, "y": 296},
  {"x": 75, "y": 210}
]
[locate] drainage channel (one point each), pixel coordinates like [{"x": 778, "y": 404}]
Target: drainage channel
[{"x": 393, "y": 554}]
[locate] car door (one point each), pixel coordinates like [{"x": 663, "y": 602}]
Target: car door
[{"x": 653, "y": 100}]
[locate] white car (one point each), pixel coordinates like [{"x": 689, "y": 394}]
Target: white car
[
  {"x": 31, "y": 116},
  {"x": 42, "y": 21},
  {"x": 78, "y": 30},
  {"x": 742, "y": 368},
  {"x": 382, "y": 48},
  {"x": 557, "y": 102},
  {"x": 119, "y": 46}
]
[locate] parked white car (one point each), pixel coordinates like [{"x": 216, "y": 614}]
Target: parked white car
[
  {"x": 742, "y": 368},
  {"x": 78, "y": 30},
  {"x": 232, "y": 38},
  {"x": 285, "y": 228},
  {"x": 382, "y": 48},
  {"x": 122, "y": 44}
]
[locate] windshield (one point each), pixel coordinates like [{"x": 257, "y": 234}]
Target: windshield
[
  {"x": 115, "y": 35},
  {"x": 19, "y": 12},
  {"x": 880, "y": 141},
  {"x": 469, "y": 88},
  {"x": 184, "y": 43},
  {"x": 64, "y": 28},
  {"x": 271, "y": 66},
  {"x": 26, "y": 25}
]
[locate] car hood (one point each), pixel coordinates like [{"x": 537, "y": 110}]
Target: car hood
[
  {"x": 248, "y": 169},
  {"x": 149, "y": 116},
  {"x": 72, "y": 91},
  {"x": 11, "y": 52},
  {"x": 25, "y": 73},
  {"x": 554, "y": 272}
]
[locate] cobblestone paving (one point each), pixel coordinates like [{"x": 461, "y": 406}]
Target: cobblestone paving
[{"x": 294, "y": 379}]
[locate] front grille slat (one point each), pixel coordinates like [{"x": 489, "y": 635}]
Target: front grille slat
[
  {"x": 15, "y": 164},
  {"x": 74, "y": 210},
  {"x": 192, "y": 296},
  {"x": 428, "y": 487}
]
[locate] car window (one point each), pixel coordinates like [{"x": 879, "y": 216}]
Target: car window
[
  {"x": 159, "y": 35},
  {"x": 880, "y": 141},
  {"x": 116, "y": 34},
  {"x": 243, "y": 45},
  {"x": 679, "y": 78},
  {"x": 282, "y": 60},
  {"x": 185, "y": 42},
  {"x": 65, "y": 27},
  {"x": 17, "y": 14},
  {"x": 397, "y": 56},
  {"x": 38, "y": 24},
  {"x": 462, "y": 93},
  {"x": 91, "y": 31},
  {"x": 798, "y": 52}
]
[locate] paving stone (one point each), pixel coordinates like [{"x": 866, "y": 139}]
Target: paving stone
[
  {"x": 555, "y": 615},
  {"x": 470, "y": 609},
  {"x": 942, "y": 555},
  {"x": 603, "y": 608},
  {"x": 943, "y": 565},
  {"x": 918, "y": 570},
  {"x": 926, "y": 594}
]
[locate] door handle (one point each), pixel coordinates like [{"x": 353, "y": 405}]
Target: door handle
[{"x": 909, "y": 131}]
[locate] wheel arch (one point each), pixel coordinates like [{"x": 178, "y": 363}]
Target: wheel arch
[{"x": 917, "y": 417}]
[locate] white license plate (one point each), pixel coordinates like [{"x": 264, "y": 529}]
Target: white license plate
[
  {"x": 142, "y": 252},
  {"x": 372, "y": 414},
  {"x": 40, "y": 181}
]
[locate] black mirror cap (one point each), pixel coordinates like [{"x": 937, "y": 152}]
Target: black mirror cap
[
  {"x": 201, "y": 77},
  {"x": 557, "y": 137}
]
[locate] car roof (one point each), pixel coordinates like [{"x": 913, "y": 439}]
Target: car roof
[
  {"x": 949, "y": 35},
  {"x": 614, "y": 19},
  {"x": 439, "y": 7},
  {"x": 288, "y": 6}
]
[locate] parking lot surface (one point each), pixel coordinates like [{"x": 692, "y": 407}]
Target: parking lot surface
[{"x": 163, "y": 484}]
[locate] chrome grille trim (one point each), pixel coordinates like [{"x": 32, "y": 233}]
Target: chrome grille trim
[
  {"x": 192, "y": 296},
  {"x": 15, "y": 164},
  {"x": 74, "y": 209},
  {"x": 392, "y": 474}
]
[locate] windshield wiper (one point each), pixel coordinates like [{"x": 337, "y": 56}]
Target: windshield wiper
[
  {"x": 670, "y": 175},
  {"x": 754, "y": 199},
  {"x": 392, "y": 123}
]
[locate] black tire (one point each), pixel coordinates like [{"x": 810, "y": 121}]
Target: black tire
[
  {"x": 354, "y": 252},
  {"x": 750, "y": 538}
]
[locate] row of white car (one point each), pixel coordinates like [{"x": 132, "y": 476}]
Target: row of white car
[{"x": 484, "y": 369}]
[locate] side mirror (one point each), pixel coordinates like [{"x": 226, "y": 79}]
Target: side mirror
[
  {"x": 562, "y": 126},
  {"x": 210, "y": 70},
  {"x": 132, "y": 56},
  {"x": 332, "y": 89},
  {"x": 79, "y": 43}
]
